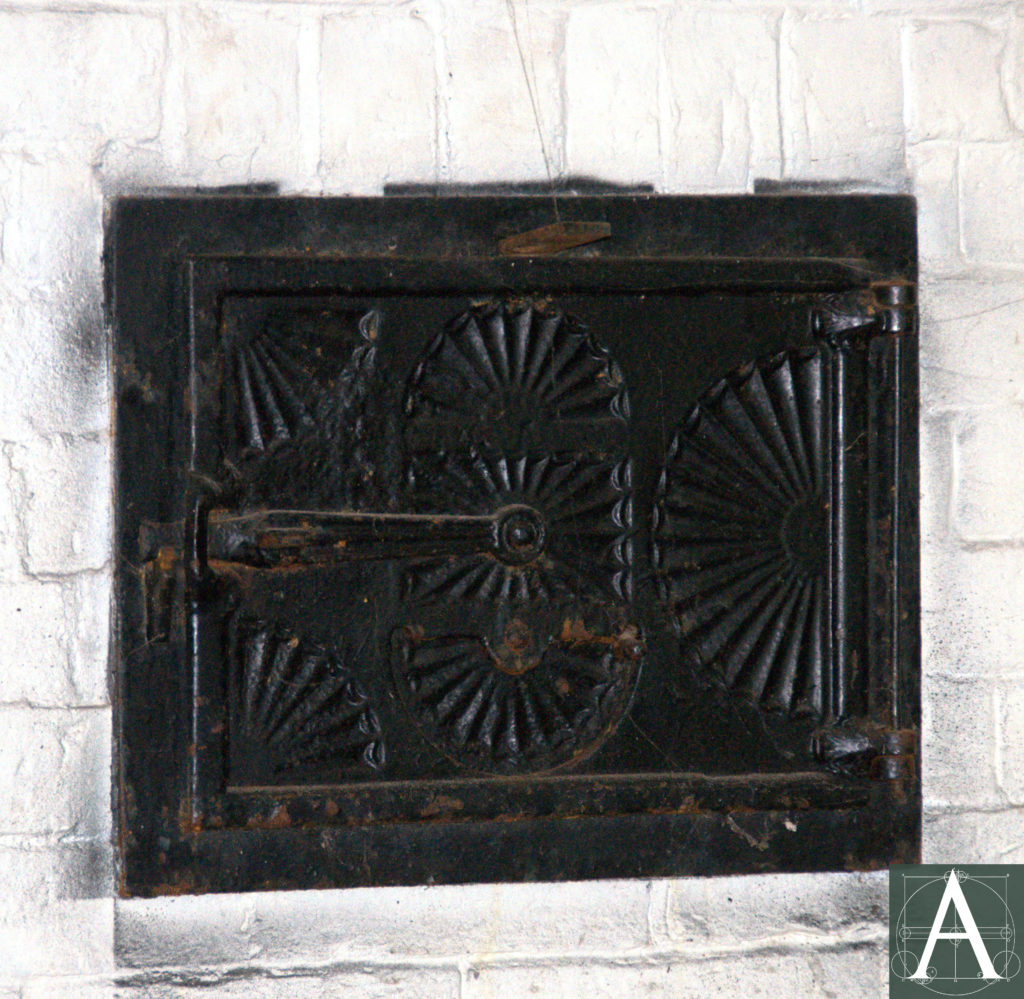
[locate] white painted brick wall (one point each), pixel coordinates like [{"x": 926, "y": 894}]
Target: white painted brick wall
[
  {"x": 612, "y": 85},
  {"x": 378, "y": 110},
  {"x": 841, "y": 95},
  {"x": 342, "y": 96}
]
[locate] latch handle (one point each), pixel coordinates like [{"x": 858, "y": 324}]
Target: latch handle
[{"x": 272, "y": 538}]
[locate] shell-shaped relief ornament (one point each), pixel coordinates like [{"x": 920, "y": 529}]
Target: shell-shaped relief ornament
[
  {"x": 276, "y": 397},
  {"x": 521, "y": 658},
  {"x": 521, "y": 405},
  {"x": 311, "y": 424},
  {"x": 520, "y": 702},
  {"x": 296, "y": 703},
  {"x": 577, "y": 536},
  {"x": 515, "y": 378},
  {"x": 741, "y": 535}
]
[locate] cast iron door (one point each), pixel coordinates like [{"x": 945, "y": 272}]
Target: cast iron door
[{"x": 445, "y": 566}]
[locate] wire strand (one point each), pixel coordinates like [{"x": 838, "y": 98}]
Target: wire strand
[{"x": 533, "y": 104}]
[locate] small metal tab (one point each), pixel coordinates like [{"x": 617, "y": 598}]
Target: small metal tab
[{"x": 555, "y": 238}]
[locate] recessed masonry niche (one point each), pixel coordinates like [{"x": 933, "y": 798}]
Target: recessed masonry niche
[{"x": 447, "y": 558}]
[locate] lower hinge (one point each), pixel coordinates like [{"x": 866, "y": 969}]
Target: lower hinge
[{"x": 865, "y": 749}]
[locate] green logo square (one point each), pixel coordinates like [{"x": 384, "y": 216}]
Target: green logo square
[{"x": 952, "y": 930}]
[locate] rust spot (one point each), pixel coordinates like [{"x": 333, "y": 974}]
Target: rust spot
[
  {"x": 517, "y": 654},
  {"x": 188, "y": 824},
  {"x": 183, "y": 886},
  {"x": 575, "y": 632},
  {"x": 518, "y": 636},
  {"x": 279, "y": 818},
  {"x": 625, "y": 645},
  {"x": 166, "y": 559},
  {"x": 441, "y": 805}
]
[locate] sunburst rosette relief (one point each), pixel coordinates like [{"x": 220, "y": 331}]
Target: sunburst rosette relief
[
  {"x": 741, "y": 535},
  {"x": 521, "y": 658}
]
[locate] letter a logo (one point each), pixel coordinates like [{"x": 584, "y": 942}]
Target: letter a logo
[
  {"x": 952, "y": 930},
  {"x": 954, "y": 895}
]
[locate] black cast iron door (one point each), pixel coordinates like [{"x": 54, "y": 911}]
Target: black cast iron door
[{"x": 458, "y": 566}]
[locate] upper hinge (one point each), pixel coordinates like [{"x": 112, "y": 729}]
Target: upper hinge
[{"x": 881, "y": 309}]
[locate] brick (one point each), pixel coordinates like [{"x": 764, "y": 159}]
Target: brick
[
  {"x": 988, "y": 495},
  {"x": 841, "y": 98},
  {"x": 69, "y": 988},
  {"x": 381, "y": 923},
  {"x": 992, "y": 199},
  {"x": 55, "y": 771},
  {"x": 87, "y": 76},
  {"x": 65, "y": 482},
  {"x": 379, "y": 117},
  {"x": 52, "y": 340},
  {"x": 953, "y": 85},
  {"x": 853, "y": 972},
  {"x": 761, "y": 975},
  {"x": 974, "y": 837},
  {"x": 722, "y": 73},
  {"x": 56, "y": 918},
  {"x": 971, "y": 622},
  {"x": 56, "y": 636},
  {"x": 765, "y": 974},
  {"x": 52, "y": 351},
  {"x": 611, "y": 80},
  {"x": 1014, "y": 70},
  {"x": 34, "y": 660},
  {"x": 957, "y": 738},
  {"x": 936, "y": 486},
  {"x": 10, "y": 555},
  {"x": 492, "y": 134},
  {"x": 87, "y": 608},
  {"x": 1010, "y": 744},
  {"x": 971, "y": 352},
  {"x": 52, "y": 220},
  {"x": 372, "y": 982},
  {"x": 240, "y": 76},
  {"x": 753, "y": 908},
  {"x": 594, "y": 980},
  {"x": 934, "y": 173},
  {"x": 947, "y": 838},
  {"x": 1000, "y": 837}
]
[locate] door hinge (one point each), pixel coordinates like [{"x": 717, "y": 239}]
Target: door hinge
[
  {"x": 861, "y": 748},
  {"x": 881, "y": 309}
]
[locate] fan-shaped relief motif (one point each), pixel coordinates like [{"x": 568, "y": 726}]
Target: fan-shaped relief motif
[
  {"x": 516, "y": 704},
  {"x": 278, "y": 394},
  {"x": 741, "y": 535},
  {"x": 579, "y": 537},
  {"x": 329, "y": 455},
  {"x": 295, "y": 702},
  {"x": 275, "y": 397},
  {"x": 504, "y": 376}
]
